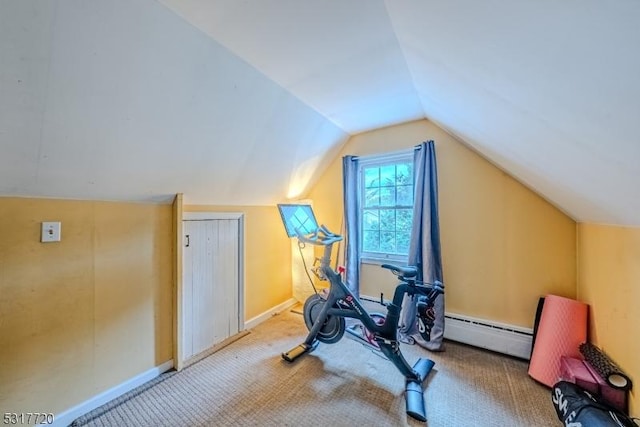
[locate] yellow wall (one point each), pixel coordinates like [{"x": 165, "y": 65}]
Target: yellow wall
[
  {"x": 85, "y": 314},
  {"x": 503, "y": 246},
  {"x": 609, "y": 281},
  {"x": 267, "y": 263},
  {"x": 92, "y": 311}
]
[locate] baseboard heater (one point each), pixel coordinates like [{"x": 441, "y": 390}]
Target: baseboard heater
[{"x": 502, "y": 338}]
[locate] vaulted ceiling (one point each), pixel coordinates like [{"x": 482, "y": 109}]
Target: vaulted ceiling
[{"x": 244, "y": 102}]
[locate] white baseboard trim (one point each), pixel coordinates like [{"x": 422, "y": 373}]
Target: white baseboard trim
[
  {"x": 255, "y": 321},
  {"x": 67, "y": 417},
  {"x": 500, "y": 337}
]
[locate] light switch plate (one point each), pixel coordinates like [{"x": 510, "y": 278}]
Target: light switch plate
[{"x": 51, "y": 232}]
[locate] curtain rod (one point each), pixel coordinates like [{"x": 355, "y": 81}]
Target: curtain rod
[
  {"x": 392, "y": 153},
  {"x": 419, "y": 146}
]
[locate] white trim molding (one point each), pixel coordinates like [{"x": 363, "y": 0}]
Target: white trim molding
[
  {"x": 65, "y": 418},
  {"x": 204, "y": 216},
  {"x": 255, "y": 321}
]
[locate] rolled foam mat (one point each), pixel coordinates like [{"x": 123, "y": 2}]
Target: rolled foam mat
[
  {"x": 562, "y": 328},
  {"x": 608, "y": 370}
]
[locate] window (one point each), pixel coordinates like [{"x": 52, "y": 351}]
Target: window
[{"x": 386, "y": 206}]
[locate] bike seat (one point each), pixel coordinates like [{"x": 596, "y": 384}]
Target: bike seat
[{"x": 404, "y": 272}]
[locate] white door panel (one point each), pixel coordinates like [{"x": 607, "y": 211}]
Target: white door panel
[{"x": 211, "y": 285}]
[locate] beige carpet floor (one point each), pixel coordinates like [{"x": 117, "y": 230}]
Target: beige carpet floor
[{"x": 344, "y": 384}]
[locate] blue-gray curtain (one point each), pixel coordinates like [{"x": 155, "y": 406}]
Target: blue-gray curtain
[
  {"x": 352, "y": 228},
  {"x": 424, "y": 250}
]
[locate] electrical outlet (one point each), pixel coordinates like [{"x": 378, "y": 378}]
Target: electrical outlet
[{"x": 51, "y": 232}]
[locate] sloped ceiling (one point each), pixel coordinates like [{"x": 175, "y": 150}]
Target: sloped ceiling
[
  {"x": 245, "y": 101},
  {"x": 124, "y": 100}
]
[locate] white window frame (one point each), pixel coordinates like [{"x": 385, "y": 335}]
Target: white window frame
[{"x": 378, "y": 160}]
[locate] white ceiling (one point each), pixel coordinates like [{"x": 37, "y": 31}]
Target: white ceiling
[{"x": 547, "y": 90}]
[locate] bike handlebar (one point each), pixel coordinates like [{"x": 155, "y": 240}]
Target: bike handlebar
[{"x": 322, "y": 237}]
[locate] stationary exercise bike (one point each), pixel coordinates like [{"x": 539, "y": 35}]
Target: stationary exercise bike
[{"x": 325, "y": 314}]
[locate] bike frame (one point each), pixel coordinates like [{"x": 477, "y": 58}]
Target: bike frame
[
  {"x": 386, "y": 334},
  {"x": 342, "y": 303}
]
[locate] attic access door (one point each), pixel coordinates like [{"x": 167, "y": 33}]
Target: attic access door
[{"x": 212, "y": 291}]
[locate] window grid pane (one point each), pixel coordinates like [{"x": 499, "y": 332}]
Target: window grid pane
[
  {"x": 388, "y": 208},
  {"x": 371, "y": 241},
  {"x": 372, "y": 197},
  {"x": 371, "y": 177}
]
